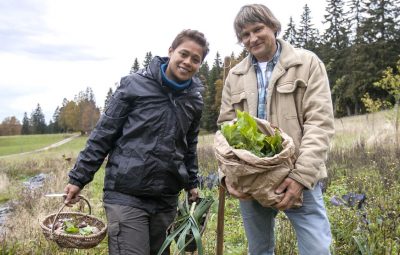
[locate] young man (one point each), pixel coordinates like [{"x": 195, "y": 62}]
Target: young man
[
  {"x": 149, "y": 132},
  {"x": 289, "y": 87}
]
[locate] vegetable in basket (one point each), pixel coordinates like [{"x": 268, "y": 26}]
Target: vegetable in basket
[{"x": 74, "y": 227}]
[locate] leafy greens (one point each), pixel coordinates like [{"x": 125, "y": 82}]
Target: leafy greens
[{"x": 244, "y": 134}]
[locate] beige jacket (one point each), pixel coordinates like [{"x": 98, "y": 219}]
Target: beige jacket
[{"x": 298, "y": 102}]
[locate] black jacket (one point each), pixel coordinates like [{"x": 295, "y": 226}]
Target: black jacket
[{"x": 149, "y": 133}]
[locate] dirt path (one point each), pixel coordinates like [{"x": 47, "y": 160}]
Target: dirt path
[{"x": 54, "y": 145}]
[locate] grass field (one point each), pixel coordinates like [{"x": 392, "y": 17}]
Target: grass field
[
  {"x": 24, "y": 143},
  {"x": 362, "y": 160}
]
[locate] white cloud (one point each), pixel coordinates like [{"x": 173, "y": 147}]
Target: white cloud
[{"x": 51, "y": 50}]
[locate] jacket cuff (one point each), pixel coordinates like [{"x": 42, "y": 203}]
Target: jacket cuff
[
  {"x": 308, "y": 184},
  {"x": 76, "y": 182}
]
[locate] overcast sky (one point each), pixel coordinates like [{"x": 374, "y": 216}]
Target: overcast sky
[{"x": 53, "y": 49}]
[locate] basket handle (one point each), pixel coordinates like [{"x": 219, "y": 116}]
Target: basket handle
[{"x": 62, "y": 207}]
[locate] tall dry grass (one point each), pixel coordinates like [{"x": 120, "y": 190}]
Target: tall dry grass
[
  {"x": 4, "y": 182},
  {"x": 372, "y": 129}
]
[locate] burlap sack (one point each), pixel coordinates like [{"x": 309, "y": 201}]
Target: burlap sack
[{"x": 256, "y": 176}]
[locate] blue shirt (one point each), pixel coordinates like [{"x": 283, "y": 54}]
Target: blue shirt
[{"x": 263, "y": 81}]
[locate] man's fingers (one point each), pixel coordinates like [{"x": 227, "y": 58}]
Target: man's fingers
[
  {"x": 283, "y": 186},
  {"x": 285, "y": 204},
  {"x": 288, "y": 200},
  {"x": 237, "y": 194}
]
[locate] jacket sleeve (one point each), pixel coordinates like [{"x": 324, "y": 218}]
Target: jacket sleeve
[
  {"x": 102, "y": 138},
  {"x": 318, "y": 127},
  {"x": 190, "y": 159}
]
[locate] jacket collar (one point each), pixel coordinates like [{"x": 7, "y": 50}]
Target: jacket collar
[
  {"x": 153, "y": 71},
  {"x": 287, "y": 59}
]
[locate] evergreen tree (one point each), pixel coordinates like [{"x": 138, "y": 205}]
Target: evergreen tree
[
  {"x": 396, "y": 14},
  {"x": 54, "y": 122},
  {"x": 203, "y": 75},
  {"x": 210, "y": 113},
  {"x": 25, "y": 125},
  {"x": 217, "y": 64},
  {"x": 108, "y": 98},
  {"x": 147, "y": 59},
  {"x": 349, "y": 72},
  {"x": 135, "y": 67},
  {"x": 336, "y": 35},
  {"x": 290, "y": 34},
  {"x": 380, "y": 24},
  {"x": 355, "y": 16},
  {"x": 335, "y": 45},
  {"x": 38, "y": 122},
  {"x": 308, "y": 35}
]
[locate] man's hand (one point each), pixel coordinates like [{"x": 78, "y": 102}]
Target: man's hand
[
  {"x": 72, "y": 193},
  {"x": 193, "y": 194},
  {"x": 235, "y": 193},
  {"x": 292, "y": 190}
]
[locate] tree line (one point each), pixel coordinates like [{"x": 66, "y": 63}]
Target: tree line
[
  {"x": 359, "y": 46},
  {"x": 77, "y": 115}
]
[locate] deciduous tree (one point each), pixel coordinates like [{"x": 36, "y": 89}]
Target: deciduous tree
[{"x": 10, "y": 126}]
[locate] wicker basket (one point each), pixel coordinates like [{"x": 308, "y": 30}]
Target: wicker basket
[{"x": 69, "y": 240}]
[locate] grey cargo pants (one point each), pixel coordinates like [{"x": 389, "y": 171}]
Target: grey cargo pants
[{"x": 134, "y": 231}]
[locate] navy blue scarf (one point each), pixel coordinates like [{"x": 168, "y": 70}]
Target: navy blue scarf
[{"x": 173, "y": 84}]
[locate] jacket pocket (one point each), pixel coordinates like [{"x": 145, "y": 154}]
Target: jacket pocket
[
  {"x": 116, "y": 108},
  {"x": 291, "y": 86},
  {"x": 239, "y": 101},
  {"x": 285, "y": 88},
  {"x": 238, "y": 97},
  {"x": 290, "y": 95},
  {"x": 115, "y": 115},
  {"x": 130, "y": 177}
]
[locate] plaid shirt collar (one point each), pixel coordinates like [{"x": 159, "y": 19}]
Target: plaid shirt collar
[{"x": 275, "y": 58}]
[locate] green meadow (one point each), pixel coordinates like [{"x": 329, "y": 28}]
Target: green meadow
[{"x": 25, "y": 143}]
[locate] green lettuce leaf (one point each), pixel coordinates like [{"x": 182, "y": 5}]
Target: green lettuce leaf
[{"x": 244, "y": 134}]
